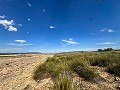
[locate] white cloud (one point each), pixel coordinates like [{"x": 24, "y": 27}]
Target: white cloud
[
  {"x": 52, "y": 27},
  {"x": 70, "y": 41},
  {"x": 44, "y": 10},
  {"x": 11, "y": 28},
  {"x": 21, "y": 44},
  {"x": 8, "y": 25},
  {"x": 27, "y": 32},
  {"x": 10, "y": 50},
  {"x": 29, "y": 19},
  {"x": 106, "y": 43},
  {"x": 29, "y": 4},
  {"x": 107, "y": 30},
  {"x": 20, "y": 25},
  {"x": 20, "y": 41},
  {"x": 110, "y": 30},
  {"x": 2, "y": 17}
]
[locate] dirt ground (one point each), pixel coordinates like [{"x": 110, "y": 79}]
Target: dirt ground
[{"x": 16, "y": 71}]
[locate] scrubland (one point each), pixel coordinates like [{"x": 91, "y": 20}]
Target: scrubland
[
  {"x": 61, "y": 71},
  {"x": 93, "y": 70}
]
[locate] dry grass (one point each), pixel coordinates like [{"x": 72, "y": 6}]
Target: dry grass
[{"x": 76, "y": 64}]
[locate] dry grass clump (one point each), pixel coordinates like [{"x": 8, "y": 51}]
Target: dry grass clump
[
  {"x": 114, "y": 69},
  {"x": 51, "y": 68},
  {"x": 64, "y": 82},
  {"x": 83, "y": 70},
  {"x": 56, "y": 65}
]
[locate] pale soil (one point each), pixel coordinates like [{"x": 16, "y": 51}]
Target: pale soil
[{"x": 16, "y": 71}]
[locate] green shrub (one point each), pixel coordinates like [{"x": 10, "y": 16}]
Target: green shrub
[
  {"x": 102, "y": 62},
  {"x": 114, "y": 69},
  {"x": 64, "y": 82},
  {"x": 76, "y": 63},
  {"x": 51, "y": 68},
  {"x": 83, "y": 70}
]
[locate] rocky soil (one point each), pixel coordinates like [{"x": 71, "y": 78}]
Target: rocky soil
[{"x": 16, "y": 71}]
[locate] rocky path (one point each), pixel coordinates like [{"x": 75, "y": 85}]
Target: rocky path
[{"x": 16, "y": 72}]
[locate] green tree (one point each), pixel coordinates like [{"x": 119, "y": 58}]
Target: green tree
[
  {"x": 108, "y": 49},
  {"x": 100, "y": 50}
]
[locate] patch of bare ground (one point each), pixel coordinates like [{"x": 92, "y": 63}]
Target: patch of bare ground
[{"x": 16, "y": 71}]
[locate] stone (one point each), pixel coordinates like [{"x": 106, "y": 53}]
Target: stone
[{"x": 117, "y": 79}]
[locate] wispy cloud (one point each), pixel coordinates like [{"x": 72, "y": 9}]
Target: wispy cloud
[
  {"x": 52, "y": 27},
  {"x": 10, "y": 50},
  {"x": 44, "y": 10},
  {"x": 107, "y": 30},
  {"x": 20, "y": 44},
  {"x": 8, "y": 25},
  {"x": 29, "y": 19},
  {"x": 20, "y": 41},
  {"x": 11, "y": 28},
  {"x": 2, "y": 17},
  {"x": 106, "y": 43},
  {"x": 69, "y": 41},
  {"x": 28, "y": 32},
  {"x": 29, "y": 4},
  {"x": 20, "y": 25}
]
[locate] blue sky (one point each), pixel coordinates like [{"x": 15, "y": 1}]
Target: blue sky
[{"x": 59, "y": 25}]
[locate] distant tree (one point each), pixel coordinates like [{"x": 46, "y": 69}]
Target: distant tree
[
  {"x": 108, "y": 49},
  {"x": 100, "y": 50}
]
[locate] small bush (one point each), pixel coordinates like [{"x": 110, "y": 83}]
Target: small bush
[
  {"x": 102, "y": 62},
  {"x": 83, "y": 71},
  {"x": 114, "y": 69},
  {"x": 51, "y": 68},
  {"x": 64, "y": 83}
]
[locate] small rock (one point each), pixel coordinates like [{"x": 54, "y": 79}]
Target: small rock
[
  {"x": 18, "y": 85},
  {"x": 28, "y": 87},
  {"x": 10, "y": 89},
  {"x": 38, "y": 81},
  {"x": 117, "y": 79},
  {"x": 118, "y": 87},
  {"x": 7, "y": 64}
]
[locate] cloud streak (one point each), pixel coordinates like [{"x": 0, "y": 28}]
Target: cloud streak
[
  {"x": 69, "y": 41},
  {"x": 52, "y": 27},
  {"x": 29, "y": 4},
  {"x": 20, "y": 25},
  {"x": 2, "y": 17},
  {"x": 10, "y": 50},
  {"x": 106, "y": 43},
  {"x": 20, "y": 43},
  {"x": 107, "y": 30}
]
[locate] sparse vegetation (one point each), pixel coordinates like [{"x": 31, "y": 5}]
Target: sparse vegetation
[
  {"x": 114, "y": 69},
  {"x": 64, "y": 63},
  {"x": 77, "y": 64},
  {"x": 64, "y": 83}
]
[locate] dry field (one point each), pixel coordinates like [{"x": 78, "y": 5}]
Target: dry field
[{"x": 16, "y": 71}]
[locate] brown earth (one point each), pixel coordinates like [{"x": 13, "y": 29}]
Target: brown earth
[{"x": 16, "y": 71}]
